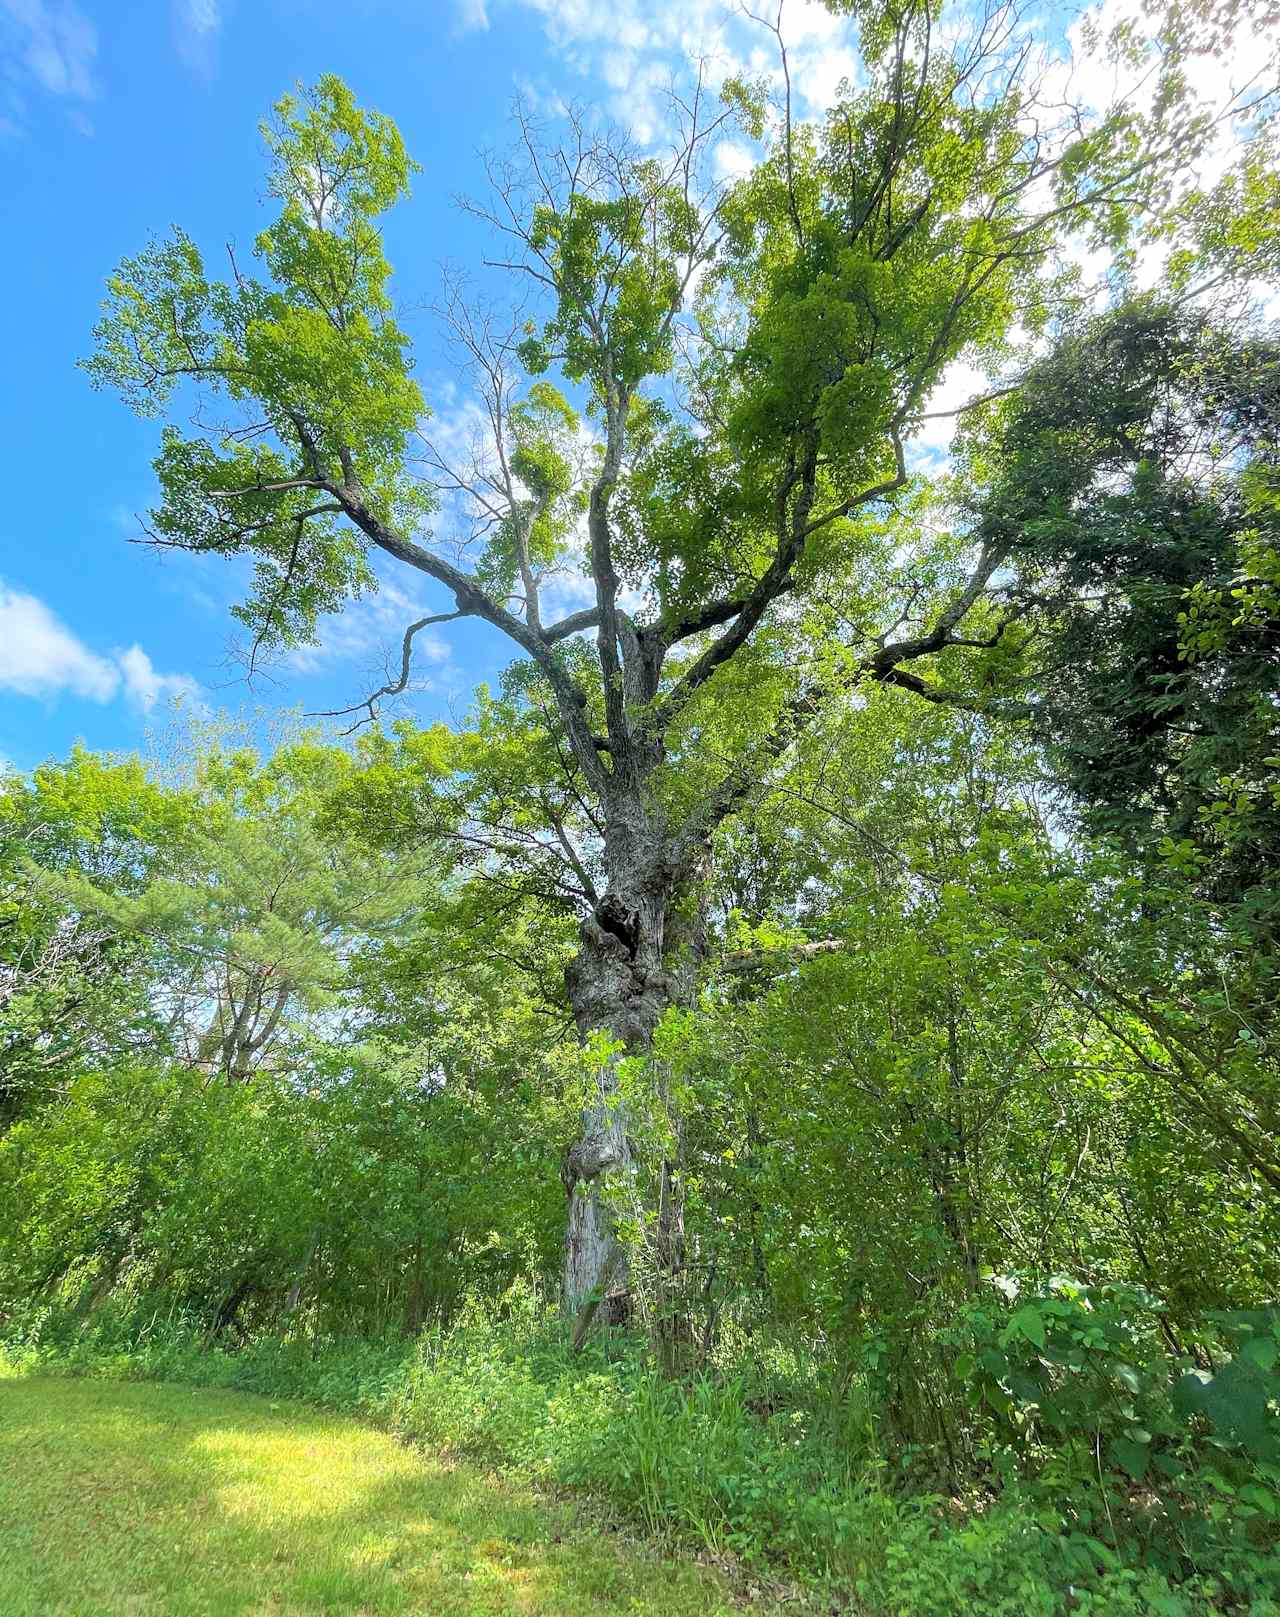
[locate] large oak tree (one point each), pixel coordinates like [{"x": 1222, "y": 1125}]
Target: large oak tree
[{"x": 702, "y": 398}]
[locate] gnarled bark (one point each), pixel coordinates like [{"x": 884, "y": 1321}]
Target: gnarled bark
[
  {"x": 637, "y": 957},
  {"x": 619, "y": 986}
]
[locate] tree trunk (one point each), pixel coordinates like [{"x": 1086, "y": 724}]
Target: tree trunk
[
  {"x": 229, "y": 1309},
  {"x": 672, "y": 1325},
  {"x": 638, "y": 956},
  {"x": 295, "y": 1290},
  {"x": 618, "y": 986},
  {"x": 601, "y": 1152}
]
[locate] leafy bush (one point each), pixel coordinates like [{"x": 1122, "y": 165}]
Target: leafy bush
[
  {"x": 1085, "y": 1371},
  {"x": 1071, "y": 1368}
]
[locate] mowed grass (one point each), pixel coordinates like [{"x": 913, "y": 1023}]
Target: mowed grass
[{"x": 142, "y": 1500}]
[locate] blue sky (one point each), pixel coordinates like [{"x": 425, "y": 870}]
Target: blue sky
[
  {"x": 122, "y": 118},
  {"x": 119, "y": 120}
]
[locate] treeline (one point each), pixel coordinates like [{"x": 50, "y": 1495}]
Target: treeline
[{"x": 277, "y": 1072}]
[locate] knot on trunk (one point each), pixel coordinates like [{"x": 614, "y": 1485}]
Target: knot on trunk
[
  {"x": 587, "y": 1159},
  {"x": 614, "y": 920}
]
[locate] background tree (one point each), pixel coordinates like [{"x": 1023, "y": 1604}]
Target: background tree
[
  {"x": 73, "y": 989},
  {"x": 252, "y": 908},
  {"x": 1134, "y": 466},
  {"x": 293, "y": 1082}
]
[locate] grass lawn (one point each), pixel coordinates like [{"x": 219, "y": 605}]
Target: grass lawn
[{"x": 142, "y": 1500}]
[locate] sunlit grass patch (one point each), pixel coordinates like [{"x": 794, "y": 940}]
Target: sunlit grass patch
[{"x": 166, "y": 1501}]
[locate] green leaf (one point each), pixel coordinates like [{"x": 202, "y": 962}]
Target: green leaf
[
  {"x": 1030, "y": 1323},
  {"x": 1263, "y": 1499},
  {"x": 1130, "y": 1456}
]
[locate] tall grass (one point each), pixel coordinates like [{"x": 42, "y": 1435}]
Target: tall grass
[
  {"x": 696, "y": 1455},
  {"x": 763, "y": 1457}
]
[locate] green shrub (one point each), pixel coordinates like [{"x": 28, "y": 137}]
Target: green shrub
[{"x": 748, "y": 1460}]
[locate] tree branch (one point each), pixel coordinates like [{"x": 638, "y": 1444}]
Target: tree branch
[
  {"x": 474, "y": 601},
  {"x": 394, "y": 688}
]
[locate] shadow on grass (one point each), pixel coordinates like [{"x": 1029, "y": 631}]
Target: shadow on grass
[{"x": 142, "y": 1500}]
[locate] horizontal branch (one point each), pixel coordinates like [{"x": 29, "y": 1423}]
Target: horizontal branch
[
  {"x": 984, "y": 398},
  {"x": 588, "y": 618},
  {"x": 748, "y": 959}
]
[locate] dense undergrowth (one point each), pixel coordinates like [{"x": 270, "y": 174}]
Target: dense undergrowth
[{"x": 767, "y": 1459}]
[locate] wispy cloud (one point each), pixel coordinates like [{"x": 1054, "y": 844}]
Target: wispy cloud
[
  {"x": 370, "y": 633},
  {"x": 635, "y": 48},
  {"x": 195, "y": 28},
  {"x": 470, "y": 15},
  {"x": 47, "y": 47},
  {"x": 41, "y": 657}
]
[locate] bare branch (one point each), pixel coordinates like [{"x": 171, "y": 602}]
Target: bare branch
[{"x": 392, "y": 688}]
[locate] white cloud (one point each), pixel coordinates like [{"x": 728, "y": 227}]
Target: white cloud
[
  {"x": 368, "y": 635},
  {"x": 195, "y": 26},
  {"x": 47, "y": 46},
  {"x": 959, "y": 384},
  {"x": 569, "y": 589},
  {"x": 732, "y": 159},
  {"x": 637, "y": 47},
  {"x": 41, "y": 657},
  {"x": 145, "y": 686},
  {"x": 470, "y": 15},
  {"x": 372, "y": 631},
  {"x": 458, "y": 431}
]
